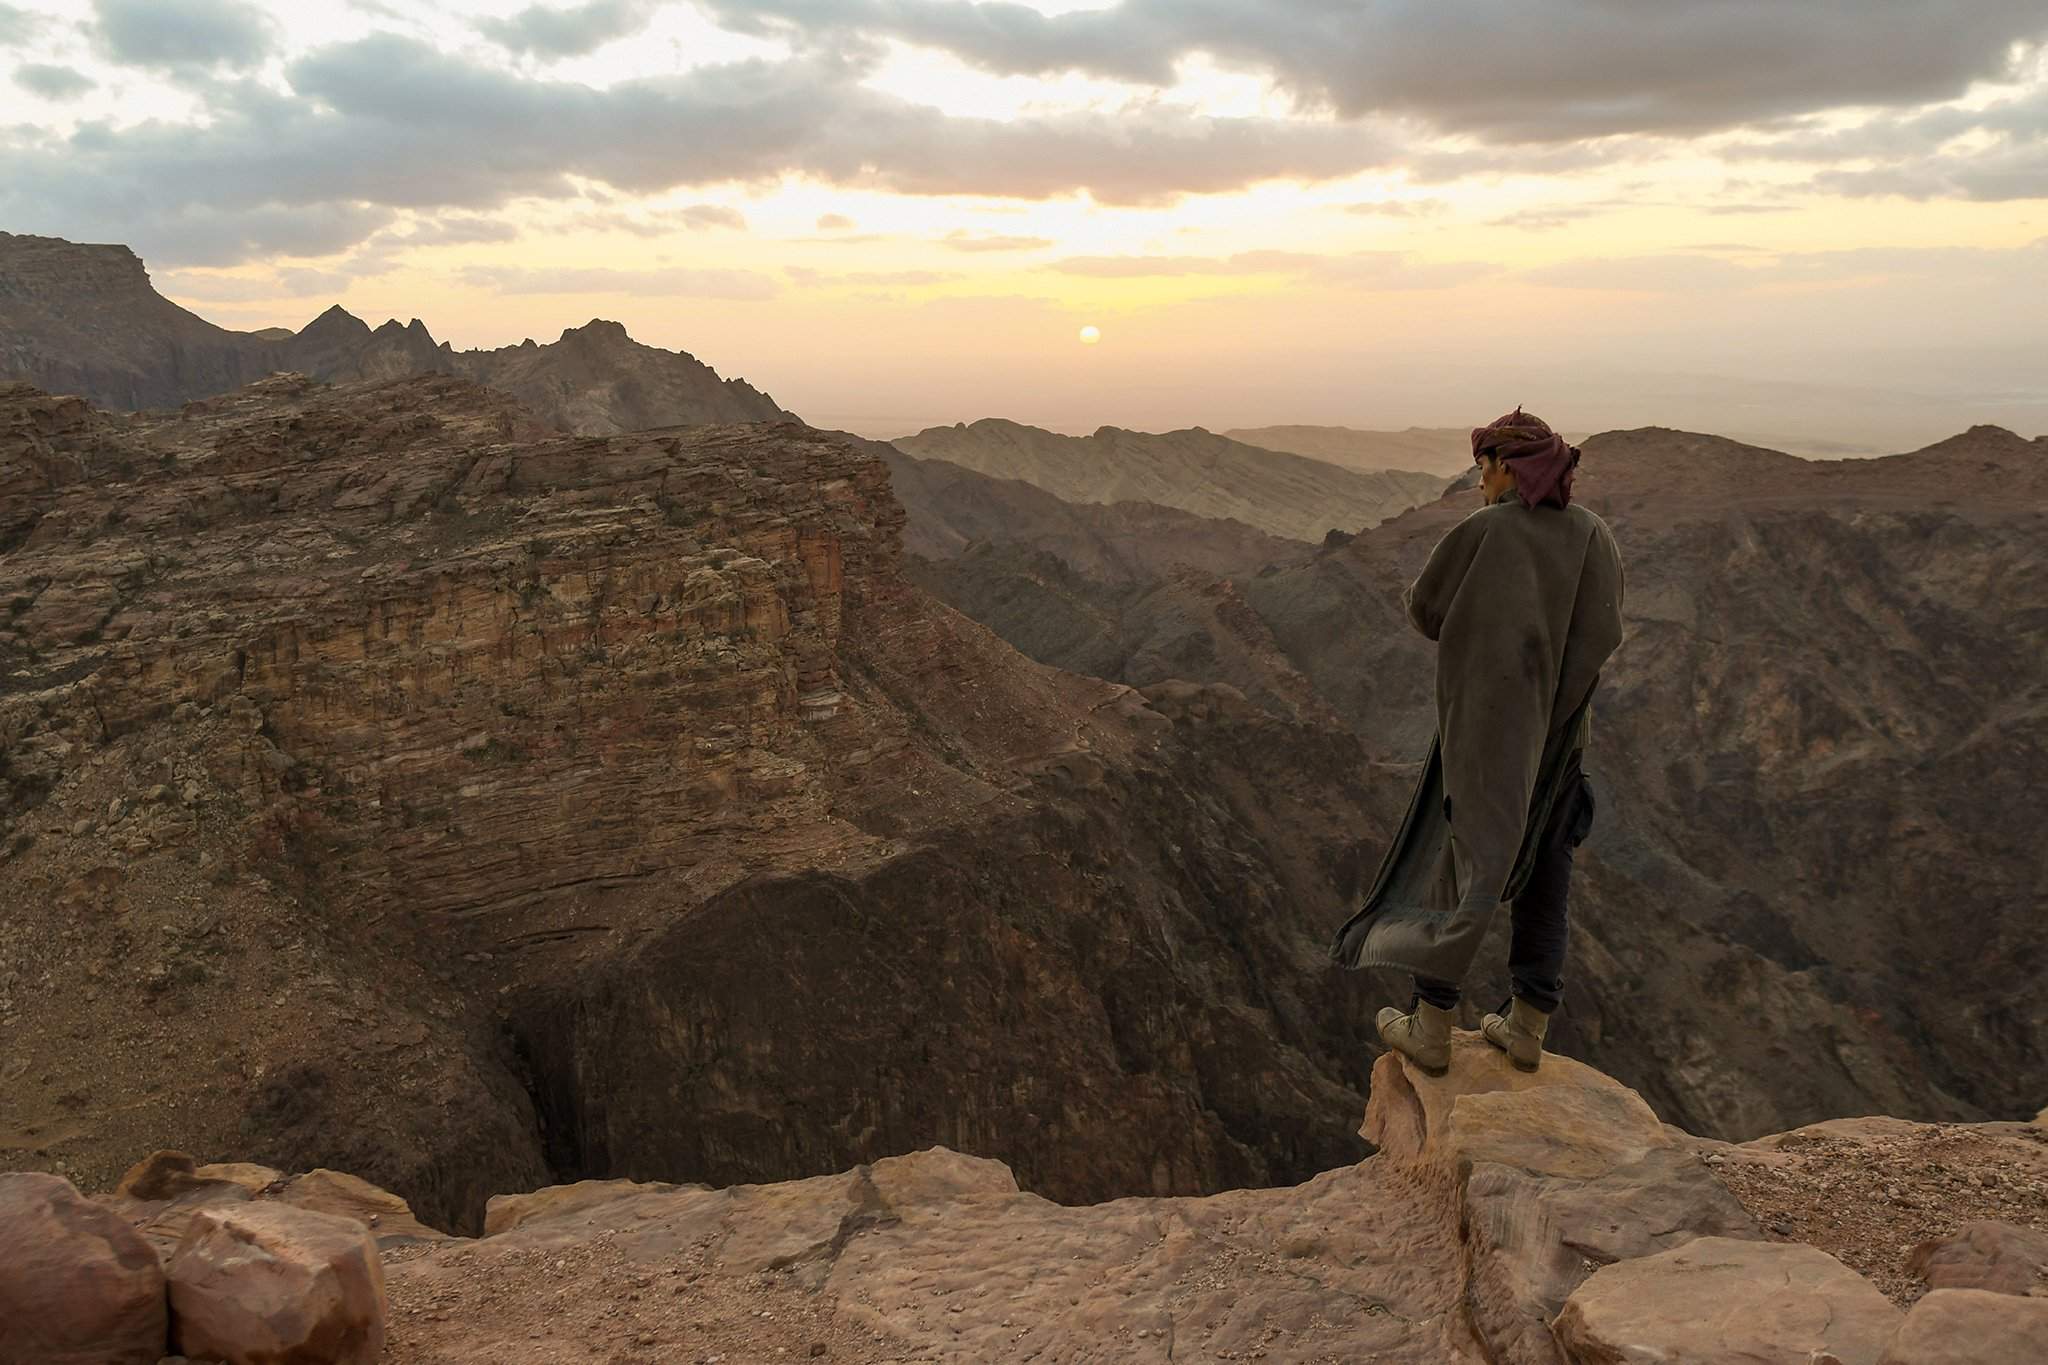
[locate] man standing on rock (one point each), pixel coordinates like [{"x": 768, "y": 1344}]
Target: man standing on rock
[{"x": 1523, "y": 599}]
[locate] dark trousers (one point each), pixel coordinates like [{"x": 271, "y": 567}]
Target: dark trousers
[{"x": 1540, "y": 929}]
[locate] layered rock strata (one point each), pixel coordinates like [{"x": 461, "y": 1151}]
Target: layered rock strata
[{"x": 487, "y": 804}]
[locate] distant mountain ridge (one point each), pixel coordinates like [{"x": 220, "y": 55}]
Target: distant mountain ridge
[
  {"x": 84, "y": 319},
  {"x": 1446, "y": 451},
  {"x": 1194, "y": 470},
  {"x": 953, "y": 510}
]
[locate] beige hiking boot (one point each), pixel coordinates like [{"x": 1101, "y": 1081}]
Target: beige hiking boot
[
  {"x": 1519, "y": 1034},
  {"x": 1423, "y": 1037}
]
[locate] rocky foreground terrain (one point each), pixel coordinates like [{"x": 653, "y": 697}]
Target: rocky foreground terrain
[
  {"x": 1815, "y": 879},
  {"x": 1507, "y": 1218},
  {"x": 84, "y": 319},
  {"x": 396, "y": 786},
  {"x": 1194, "y": 470}
]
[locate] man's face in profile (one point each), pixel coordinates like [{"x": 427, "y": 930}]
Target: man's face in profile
[{"x": 1496, "y": 476}]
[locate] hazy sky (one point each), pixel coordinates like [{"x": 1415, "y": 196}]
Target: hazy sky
[{"x": 1826, "y": 219}]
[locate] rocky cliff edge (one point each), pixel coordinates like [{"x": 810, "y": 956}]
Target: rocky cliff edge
[{"x": 1506, "y": 1218}]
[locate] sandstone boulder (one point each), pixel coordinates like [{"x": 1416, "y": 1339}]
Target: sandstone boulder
[
  {"x": 160, "y": 1175},
  {"x": 505, "y": 1212},
  {"x": 1555, "y": 1172},
  {"x": 1971, "y": 1327},
  {"x": 389, "y": 1218},
  {"x": 78, "y": 1285},
  {"x": 270, "y": 1284},
  {"x": 251, "y": 1177},
  {"x": 164, "y": 1222},
  {"x": 1985, "y": 1255},
  {"x": 1719, "y": 1301}
]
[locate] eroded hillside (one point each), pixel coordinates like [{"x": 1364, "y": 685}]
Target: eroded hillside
[{"x": 397, "y": 786}]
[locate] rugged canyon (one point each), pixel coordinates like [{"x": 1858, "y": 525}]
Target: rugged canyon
[{"x": 468, "y": 802}]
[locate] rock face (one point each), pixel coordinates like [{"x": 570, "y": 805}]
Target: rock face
[
  {"x": 79, "y": 319},
  {"x": 1550, "y": 1174},
  {"x": 84, "y": 320},
  {"x": 1721, "y": 1302},
  {"x": 1810, "y": 753},
  {"x": 269, "y": 1284},
  {"x": 1194, "y": 470},
  {"x": 498, "y": 806},
  {"x": 78, "y": 1286}
]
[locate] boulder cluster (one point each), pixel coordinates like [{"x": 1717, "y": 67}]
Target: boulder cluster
[{"x": 232, "y": 1263}]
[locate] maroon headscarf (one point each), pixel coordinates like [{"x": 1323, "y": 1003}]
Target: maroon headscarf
[{"x": 1544, "y": 464}]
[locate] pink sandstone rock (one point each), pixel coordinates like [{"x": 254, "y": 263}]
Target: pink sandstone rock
[
  {"x": 270, "y": 1284},
  {"x": 1971, "y": 1327},
  {"x": 1985, "y": 1255},
  {"x": 389, "y": 1218},
  {"x": 78, "y": 1285},
  {"x": 1553, "y": 1173},
  {"x": 1718, "y": 1301}
]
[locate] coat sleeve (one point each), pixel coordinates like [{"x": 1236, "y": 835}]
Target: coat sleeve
[
  {"x": 1430, "y": 596},
  {"x": 1611, "y": 574}
]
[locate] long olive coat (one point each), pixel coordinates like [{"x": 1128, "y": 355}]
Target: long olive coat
[{"x": 1525, "y": 606}]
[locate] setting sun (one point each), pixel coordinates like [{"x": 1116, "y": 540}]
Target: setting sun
[{"x": 1090, "y": 334}]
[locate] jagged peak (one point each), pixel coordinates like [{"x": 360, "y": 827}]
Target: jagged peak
[
  {"x": 336, "y": 319},
  {"x": 599, "y": 329},
  {"x": 410, "y": 331}
]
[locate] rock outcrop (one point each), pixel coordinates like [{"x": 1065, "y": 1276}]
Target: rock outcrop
[
  {"x": 84, "y": 319},
  {"x": 1550, "y": 1174},
  {"x": 1194, "y": 470},
  {"x": 595, "y": 380}
]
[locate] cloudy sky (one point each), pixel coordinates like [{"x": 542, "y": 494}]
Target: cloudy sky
[{"x": 1819, "y": 221}]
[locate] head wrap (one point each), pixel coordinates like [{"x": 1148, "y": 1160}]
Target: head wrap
[{"x": 1543, "y": 463}]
